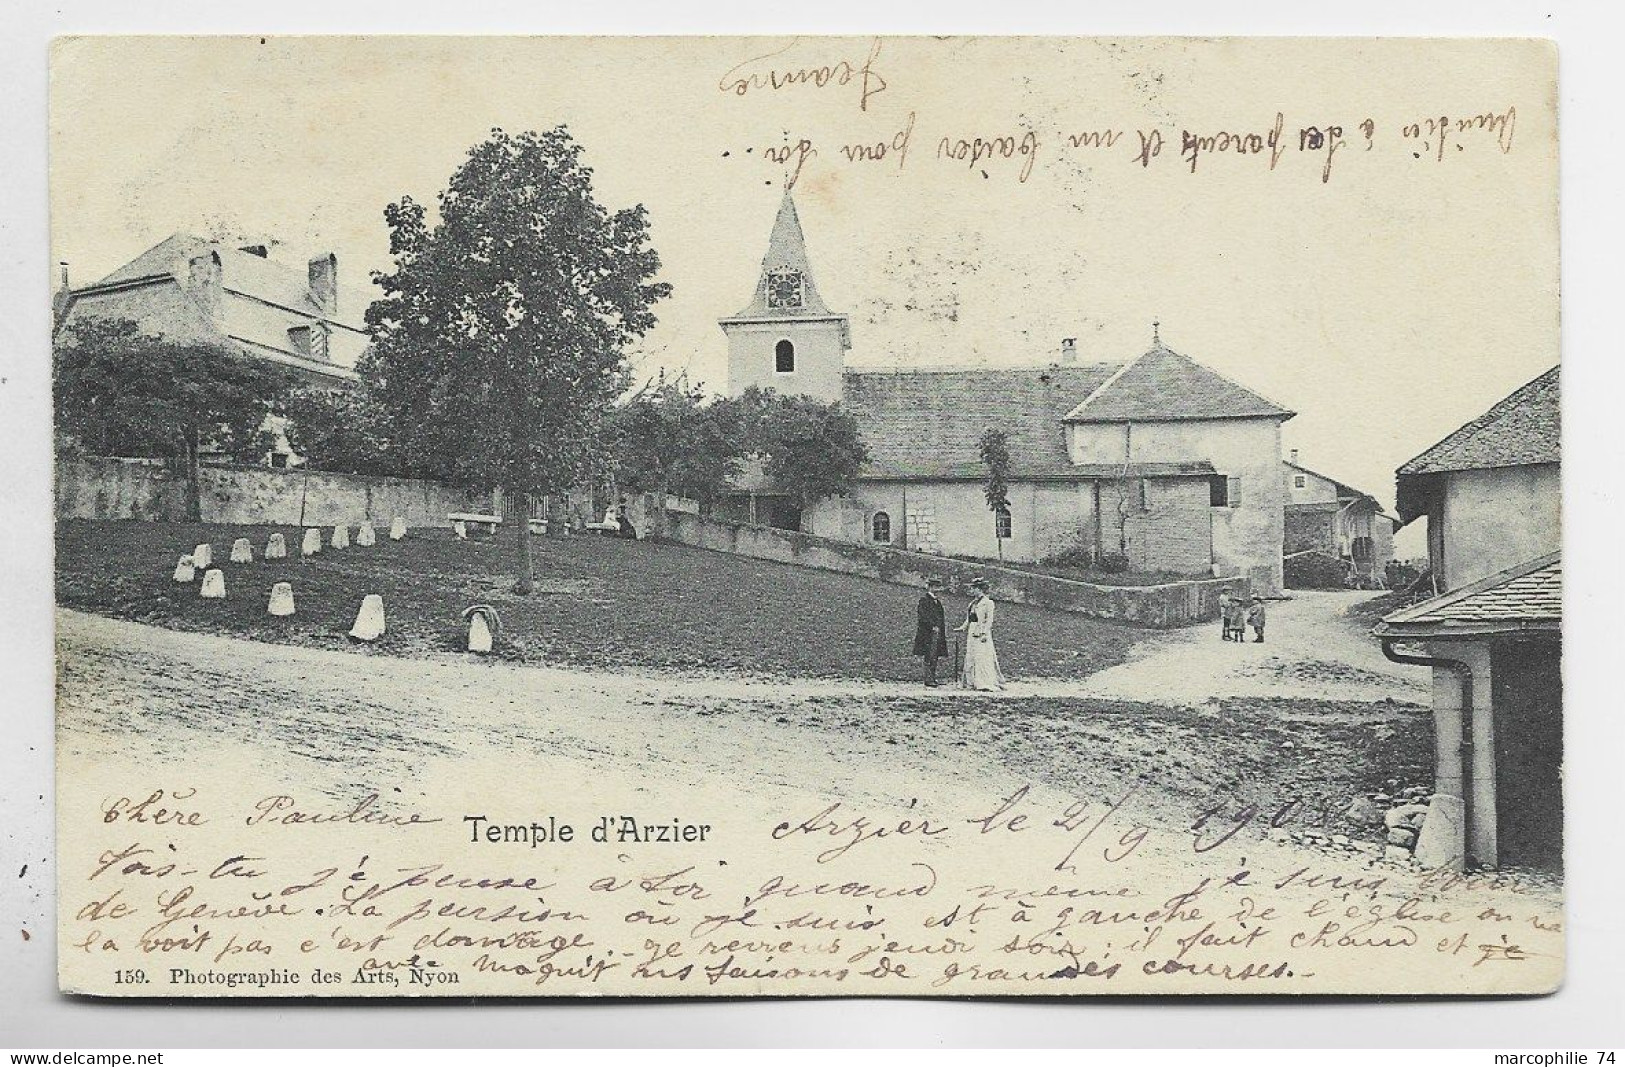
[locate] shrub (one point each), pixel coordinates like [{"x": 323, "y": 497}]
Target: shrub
[
  {"x": 1311, "y": 570},
  {"x": 1112, "y": 563}
]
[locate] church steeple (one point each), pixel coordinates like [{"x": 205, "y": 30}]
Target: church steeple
[
  {"x": 786, "y": 338},
  {"x": 785, "y": 288}
]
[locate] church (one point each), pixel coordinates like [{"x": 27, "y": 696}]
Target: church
[{"x": 1156, "y": 461}]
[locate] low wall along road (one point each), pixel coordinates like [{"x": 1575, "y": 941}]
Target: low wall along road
[
  {"x": 1161, "y": 606},
  {"x": 98, "y": 487}
]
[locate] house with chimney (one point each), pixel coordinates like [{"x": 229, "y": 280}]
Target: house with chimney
[
  {"x": 1332, "y": 519},
  {"x": 243, "y": 297},
  {"x": 1154, "y": 459},
  {"x": 1491, "y": 495}
]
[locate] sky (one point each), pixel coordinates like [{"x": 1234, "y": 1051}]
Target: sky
[{"x": 1386, "y": 304}]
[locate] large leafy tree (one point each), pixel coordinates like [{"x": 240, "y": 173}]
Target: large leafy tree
[
  {"x": 812, "y": 449},
  {"x": 499, "y": 343},
  {"x": 120, "y": 392},
  {"x": 339, "y": 429},
  {"x": 994, "y": 448},
  {"x": 666, "y": 439}
]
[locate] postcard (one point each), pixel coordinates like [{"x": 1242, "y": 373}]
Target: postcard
[{"x": 823, "y": 516}]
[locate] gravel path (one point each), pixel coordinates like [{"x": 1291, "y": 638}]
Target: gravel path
[{"x": 1313, "y": 649}]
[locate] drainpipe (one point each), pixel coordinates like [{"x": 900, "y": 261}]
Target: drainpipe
[{"x": 1464, "y": 675}]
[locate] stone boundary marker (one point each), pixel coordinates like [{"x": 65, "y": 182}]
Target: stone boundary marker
[
  {"x": 214, "y": 585},
  {"x": 281, "y": 604}
]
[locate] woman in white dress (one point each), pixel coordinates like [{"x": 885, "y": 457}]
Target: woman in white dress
[{"x": 981, "y": 655}]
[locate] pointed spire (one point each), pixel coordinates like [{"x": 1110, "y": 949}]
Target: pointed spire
[
  {"x": 1156, "y": 333},
  {"x": 786, "y": 270}
]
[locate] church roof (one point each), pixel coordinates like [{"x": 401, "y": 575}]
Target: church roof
[
  {"x": 786, "y": 251},
  {"x": 1163, "y": 385},
  {"x": 927, "y": 423},
  {"x": 1522, "y": 429}
]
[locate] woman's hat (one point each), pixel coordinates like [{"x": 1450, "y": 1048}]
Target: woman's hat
[
  {"x": 979, "y": 583},
  {"x": 933, "y": 583}
]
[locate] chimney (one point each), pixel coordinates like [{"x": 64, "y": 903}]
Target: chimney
[
  {"x": 324, "y": 282},
  {"x": 1294, "y": 460},
  {"x": 1069, "y": 350},
  {"x": 203, "y": 278},
  {"x": 61, "y": 299}
]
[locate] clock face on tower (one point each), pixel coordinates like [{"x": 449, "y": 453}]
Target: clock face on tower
[{"x": 784, "y": 289}]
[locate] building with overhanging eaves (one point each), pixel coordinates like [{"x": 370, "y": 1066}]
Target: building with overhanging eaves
[
  {"x": 191, "y": 289},
  {"x": 1491, "y": 494},
  {"x": 1156, "y": 458},
  {"x": 1332, "y": 519}
]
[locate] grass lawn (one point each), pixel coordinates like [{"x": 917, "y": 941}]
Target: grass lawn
[{"x": 601, "y": 602}]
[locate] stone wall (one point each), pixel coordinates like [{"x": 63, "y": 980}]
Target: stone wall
[
  {"x": 1161, "y": 606},
  {"x": 1310, "y": 529},
  {"x": 98, "y": 487},
  {"x": 1173, "y": 532}
]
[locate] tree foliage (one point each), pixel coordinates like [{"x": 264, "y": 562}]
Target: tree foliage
[
  {"x": 994, "y": 447},
  {"x": 499, "y": 343},
  {"x": 812, "y": 449},
  {"x": 340, "y": 429},
  {"x": 120, "y": 392},
  {"x": 666, "y": 439},
  {"x": 667, "y": 436}
]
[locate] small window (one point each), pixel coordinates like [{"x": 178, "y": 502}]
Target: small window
[
  {"x": 1224, "y": 491},
  {"x": 880, "y": 527},
  {"x": 1001, "y": 523},
  {"x": 1300, "y": 482},
  {"x": 1145, "y": 494},
  {"x": 279, "y": 459},
  {"x": 784, "y": 357}
]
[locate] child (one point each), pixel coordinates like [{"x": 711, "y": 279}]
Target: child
[
  {"x": 1225, "y": 610},
  {"x": 1234, "y": 619},
  {"x": 1255, "y": 619}
]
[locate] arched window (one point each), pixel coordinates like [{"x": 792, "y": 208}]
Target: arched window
[
  {"x": 1002, "y": 523},
  {"x": 880, "y": 527},
  {"x": 784, "y": 357}
]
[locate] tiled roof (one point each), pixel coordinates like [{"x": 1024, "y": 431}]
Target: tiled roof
[
  {"x": 267, "y": 326},
  {"x": 260, "y": 301},
  {"x": 786, "y": 251},
  {"x": 927, "y": 423},
  {"x": 1164, "y": 385},
  {"x": 1529, "y": 593},
  {"x": 1522, "y": 429},
  {"x": 245, "y": 274}
]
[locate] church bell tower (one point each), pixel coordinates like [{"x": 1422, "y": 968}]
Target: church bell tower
[{"x": 786, "y": 339}]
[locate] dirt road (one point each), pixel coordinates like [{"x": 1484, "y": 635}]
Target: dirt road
[
  {"x": 1216, "y": 798},
  {"x": 1312, "y": 649},
  {"x": 356, "y": 719}
]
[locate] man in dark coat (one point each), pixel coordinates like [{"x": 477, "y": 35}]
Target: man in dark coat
[{"x": 930, "y": 631}]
